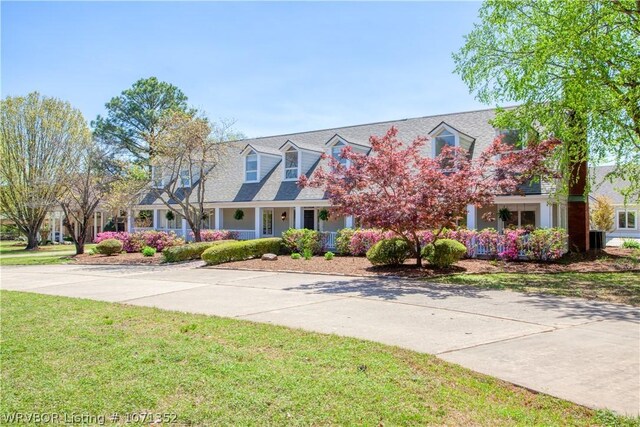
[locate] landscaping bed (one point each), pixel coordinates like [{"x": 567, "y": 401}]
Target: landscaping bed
[
  {"x": 610, "y": 260},
  {"x": 134, "y": 258}
]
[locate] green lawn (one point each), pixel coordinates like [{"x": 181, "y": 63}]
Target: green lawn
[
  {"x": 13, "y": 253},
  {"x": 622, "y": 287},
  {"x": 77, "y": 356}
]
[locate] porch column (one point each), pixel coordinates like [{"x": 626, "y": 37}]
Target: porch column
[
  {"x": 61, "y": 234},
  {"x": 546, "y": 215},
  {"x": 52, "y": 221},
  {"x": 156, "y": 217},
  {"x": 101, "y": 220},
  {"x": 298, "y": 215},
  {"x": 130, "y": 221},
  {"x": 471, "y": 217},
  {"x": 95, "y": 224},
  {"x": 348, "y": 221},
  {"x": 257, "y": 222},
  {"x": 218, "y": 219},
  {"x": 184, "y": 229}
]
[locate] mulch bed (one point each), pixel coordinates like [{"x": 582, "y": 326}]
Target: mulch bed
[
  {"x": 128, "y": 259},
  {"x": 610, "y": 260}
]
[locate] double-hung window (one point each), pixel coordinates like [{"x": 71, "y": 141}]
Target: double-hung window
[
  {"x": 336, "y": 153},
  {"x": 444, "y": 139},
  {"x": 185, "y": 178},
  {"x": 291, "y": 164},
  {"x": 627, "y": 219},
  {"x": 251, "y": 167}
]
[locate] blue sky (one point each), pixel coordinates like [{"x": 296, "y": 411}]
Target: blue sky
[{"x": 274, "y": 67}]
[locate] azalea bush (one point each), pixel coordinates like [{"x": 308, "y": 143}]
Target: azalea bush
[
  {"x": 214, "y": 235},
  {"x": 509, "y": 245},
  {"x": 546, "y": 244},
  {"x": 303, "y": 239},
  {"x": 134, "y": 242}
]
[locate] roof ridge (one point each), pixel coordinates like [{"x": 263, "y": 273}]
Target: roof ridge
[{"x": 372, "y": 123}]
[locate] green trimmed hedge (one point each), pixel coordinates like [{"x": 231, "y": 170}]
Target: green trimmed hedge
[
  {"x": 189, "y": 251},
  {"x": 444, "y": 253},
  {"x": 239, "y": 251},
  {"x": 109, "y": 247},
  {"x": 392, "y": 251}
]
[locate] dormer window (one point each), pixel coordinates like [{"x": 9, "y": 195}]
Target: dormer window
[
  {"x": 336, "y": 153},
  {"x": 291, "y": 164},
  {"x": 510, "y": 137},
  {"x": 445, "y": 135},
  {"x": 251, "y": 167}
]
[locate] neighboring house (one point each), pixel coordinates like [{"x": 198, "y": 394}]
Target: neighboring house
[
  {"x": 626, "y": 221},
  {"x": 258, "y": 176},
  {"x": 56, "y": 230}
]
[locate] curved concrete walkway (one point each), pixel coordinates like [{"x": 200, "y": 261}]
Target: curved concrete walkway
[{"x": 584, "y": 351}]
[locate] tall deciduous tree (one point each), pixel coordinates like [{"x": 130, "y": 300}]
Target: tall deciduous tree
[
  {"x": 84, "y": 190},
  {"x": 133, "y": 122},
  {"x": 40, "y": 141},
  {"x": 130, "y": 183},
  {"x": 397, "y": 188},
  {"x": 575, "y": 68},
  {"x": 188, "y": 149}
]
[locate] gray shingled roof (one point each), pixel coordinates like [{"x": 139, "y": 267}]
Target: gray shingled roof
[{"x": 225, "y": 183}]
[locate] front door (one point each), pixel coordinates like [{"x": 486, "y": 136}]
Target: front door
[
  {"x": 309, "y": 219},
  {"x": 267, "y": 222}
]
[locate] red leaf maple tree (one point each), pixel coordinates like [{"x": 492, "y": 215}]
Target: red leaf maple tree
[{"x": 397, "y": 188}]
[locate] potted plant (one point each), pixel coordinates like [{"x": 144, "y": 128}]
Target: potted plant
[
  {"x": 170, "y": 216},
  {"x": 504, "y": 214},
  {"x": 238, "y": 214},
  {"x": 323, "y": 215}
]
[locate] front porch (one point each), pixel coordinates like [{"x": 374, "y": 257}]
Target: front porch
[
  {"x": 524, "y": 212},
  {"x": 249, "y": 222}
]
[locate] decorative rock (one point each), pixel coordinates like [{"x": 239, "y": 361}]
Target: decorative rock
[{"x": 269, "y": 257}]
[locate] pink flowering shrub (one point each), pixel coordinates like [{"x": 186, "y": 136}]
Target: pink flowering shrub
[
  {"x": 213, "y": 235},
  {"x": 134, "y": 242},
  {"x": 364, "y": 238},
  {"x": 510, "y": 245},
  {"x": 546, "y": 244}
]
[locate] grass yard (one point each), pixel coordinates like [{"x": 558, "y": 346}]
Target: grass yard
[
  {"x": 619, "y": 287},
  {"x": 13, "y": 253},
  {"x": 77, "y": 356}
]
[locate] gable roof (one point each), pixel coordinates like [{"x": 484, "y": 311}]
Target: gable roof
[
  {"x": 226, "y": 183},
  {"x": 261, "y": 149}
]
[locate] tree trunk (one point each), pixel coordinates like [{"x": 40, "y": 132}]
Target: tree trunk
[
  {"x": 578, "y": 202},
  {"x": 196, "y": 235},
  {"x": 79, "y": 242},
  {"x": 418, "y": 255},
  {"x": 32, "y": 240}
]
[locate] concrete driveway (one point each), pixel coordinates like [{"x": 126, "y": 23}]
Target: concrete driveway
[{"x": 583, "y": 351}]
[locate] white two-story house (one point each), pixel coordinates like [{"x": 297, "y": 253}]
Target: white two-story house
[{"x": 258, "y": 177}]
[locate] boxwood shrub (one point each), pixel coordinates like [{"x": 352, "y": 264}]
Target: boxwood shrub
[
  {"x": 444, "y": 253},
  {"x": 189, "y": 251},
  {"x": 392, "y": 251},
  {"x": 109, "y": 247},
  {"x": 238, "y": 251}
]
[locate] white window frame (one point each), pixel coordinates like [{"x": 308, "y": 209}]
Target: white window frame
[
  {"x": 626, "y": 219},
  {"x": 340, "y": 145},
  {"x": 290, "y": 149},
  {"x": 264, "y": 212},
  {"x": 156, "y": 182},
  {"x": 257, "y": 171},
  {"x": 438, "y": 131},
  {"x": 185, "y": 181}
]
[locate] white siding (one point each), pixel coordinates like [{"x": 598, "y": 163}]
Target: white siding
[
  {"x": 267, "y": 163},
  {"x": 308, "y": 160}
]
